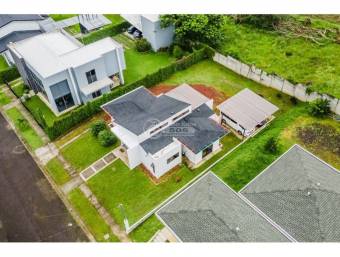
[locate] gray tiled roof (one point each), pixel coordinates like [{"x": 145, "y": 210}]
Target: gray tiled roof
[
  {"x": 139, "y": 109},
  {"x": 196, "y": 131},
  {"x": 7, "y": 18},
  {"x": 16, "y": 36},
  {"x": 209, "y": 211},
  {"x": 301, "y": 194}
]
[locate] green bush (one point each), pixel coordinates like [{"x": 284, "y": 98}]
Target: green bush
[
  {"x": 142, "y": 45},
  {"x": 108, "y": 31},
  {"x": 97, "y": 127},
  {"x": 8, "y": 75},
  {"x": 271, "y": 146},
  {"x": 64, "y": 123},
  {"x": 106, "y": 138},
  {"x": 178, "y": 52},
  {"x": 319, "y": 108}
]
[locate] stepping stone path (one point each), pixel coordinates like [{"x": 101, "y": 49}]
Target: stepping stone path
[{"x": 97, "y": 166}]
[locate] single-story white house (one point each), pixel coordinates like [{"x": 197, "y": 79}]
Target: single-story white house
[
  {"x": 16, "y": 27},
  {"x": 246, "y": 111},
  {"x": 157, "y": 131},
  {"x": 66, "y": 73},
  {"x": 150, "y": 26}
]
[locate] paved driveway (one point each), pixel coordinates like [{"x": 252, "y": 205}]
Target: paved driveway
[{"x": 29, "y": 208}]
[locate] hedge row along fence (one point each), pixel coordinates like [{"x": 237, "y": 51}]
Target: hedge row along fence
[
  {"x": 108, "y": 31},
  {"x": 8, "y": 75},
  {"x": 66, "y": 122}
]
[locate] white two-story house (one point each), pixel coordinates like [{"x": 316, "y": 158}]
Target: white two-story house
[
  {"x": 158, "y": 131},
  {"x": 66, "y": 73}
]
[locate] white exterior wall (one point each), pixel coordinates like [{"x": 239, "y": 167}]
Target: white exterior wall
[
  {"x": 134, "y": 156},
  {"x": 18, "y": 26},
  {"x": 194, "y": 158},
  {"x": 158, "y": 37},
  {"x": 236, "y": 126},
  {"x": 159, "y": 160}
]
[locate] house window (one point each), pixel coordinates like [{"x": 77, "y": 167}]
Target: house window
[
  {"x": 91, "y": 76},
  {"x": 180, "y": 115},
  {"x": 172, "y": 158},
  {"x": 207, "y": 151},
  {"x": 96, "y": 94},
  {"x": 62, "y": 95}
]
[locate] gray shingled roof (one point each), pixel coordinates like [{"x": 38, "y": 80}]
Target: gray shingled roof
[
  {"x": 139, "y": 109},
  {"x": 7, "y": 18},
  {"x": 16, "y": 36},
  {"x": 301, "y": 194},
  {"x": 196, "y": 131},
  {"x": 209, "y": 211}
]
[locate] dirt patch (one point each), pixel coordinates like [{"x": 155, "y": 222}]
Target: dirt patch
[
  {"x": 209, "y": 92},
  {"x": 320, "y": 136}
]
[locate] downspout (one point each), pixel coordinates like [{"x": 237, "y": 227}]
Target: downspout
[
  {"x": 121, "y": 77},
  {"x": 74, "y": 86}
]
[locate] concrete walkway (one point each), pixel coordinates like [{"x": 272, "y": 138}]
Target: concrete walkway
[
  {"x": 163, "y": 236},
  {"x": 72, "y": 184},
  {"x": 121, "y": 234}
]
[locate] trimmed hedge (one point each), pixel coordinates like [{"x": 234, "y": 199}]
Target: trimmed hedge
[
  {"x": 66, "y": 122},
  {"x": 9, "y": 74},
  {"x": 108, "y": 31}
]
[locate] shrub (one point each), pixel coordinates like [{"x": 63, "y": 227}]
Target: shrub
[
  {"x": 319, "y": 108},
  {"x": 142, "y": 45},
  {"x": 293, "y": 100},
  {"x": 106, "y": 138},
  {"x": 178, "y": 52},
  {"x": 279, "y": 95},
  {"x": 271, "y": 145},
  {"x": 97, "y": 127},
  {"x": 9, "y": 74},
  {"x": 22, "y": 124}
]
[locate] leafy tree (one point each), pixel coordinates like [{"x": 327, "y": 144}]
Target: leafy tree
[
  {"x": 319, "y": 108},
  {"x": 271, "y": 145},
  {"x": 261, "y": 21},
  {"x": 97, "y": 127},
  {"x": 178, "y": 52},
  {"x": 106, "y": 138},
  {"x": 191, "y": 28}
]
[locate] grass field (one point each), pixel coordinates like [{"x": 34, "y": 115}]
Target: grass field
[
  {"x": 56, "y": 170},
  {"x": 114, "y": 18},
  {"x": 35, "y": 103},
  {"x": 84, "y": 151},
  {"x": 59, "y": 17},
  {"x": 26, "y": 131},
  {"x": 4, "y": 99},
  {"x": 118, "y": 184},
  {"x": 18, "y": 88},
  {"x": 3, "y": 63},
  {"x": 295, "y": 59},
  {"x": 144, "y": 232},
  {"x": 74, "y": 29},
  {"x": 140, "y": 64},
  {"x": 91, "y": 217}
]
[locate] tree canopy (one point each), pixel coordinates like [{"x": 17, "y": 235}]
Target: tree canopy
[{"x": 189, "y": 28}]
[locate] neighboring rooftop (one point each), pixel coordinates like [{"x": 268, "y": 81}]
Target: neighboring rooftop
[
  {"x": 7, "y": 18},
  {"x": 16, "y": 36},
  {"x": 301, "y": 194},
  {"x": 53, "y": 52},
  {"x": 209, "y": 211},
  {"x": 140, "y": 110},
  {"x": 247, "y": 108},
  {"x": 187, "y": 94},
  {"x": 135, "y": 19}
]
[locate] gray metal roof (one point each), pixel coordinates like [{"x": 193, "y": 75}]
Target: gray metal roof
[
  {"x": 209, "y": 211},
  {"x": 7, "y": 18},
  {"x": 196, "y": 131},
  {"x": 16, "y": 36},
  {"x": 247, "y": 108},
  {"x": 301, "y": 194},
  {"x": 140, "y": 110}
]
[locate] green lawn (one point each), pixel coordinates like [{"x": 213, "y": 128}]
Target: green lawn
[
  {"x": 295, "y": 59},
  {"x": 118, "y": 184},
  {"x": 4, "y": 99},
  {"x": 26, "y": 131},
  {"x": 140, "y": 64},
  {"x": 3, "y": 63},
  {"x": 84, "y": 151},
  {"x": 35, "y": 103},
  {"x": 146, "y": 230},
  {"x": 74, "y": 29},
  {"x": 114, "y": 18},
  {"x": 59, "y": 17},
  {"x": 91, "y": 217},
  {"x": 56, "y": 170},
  {"x": 18, "y": 88}
]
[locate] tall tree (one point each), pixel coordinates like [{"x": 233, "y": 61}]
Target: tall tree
[{"x": 191, "y": 28}]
